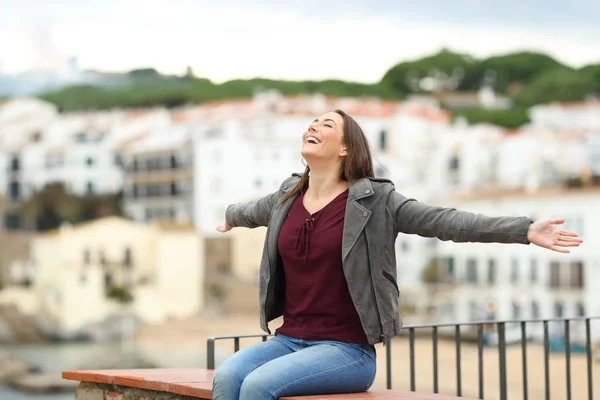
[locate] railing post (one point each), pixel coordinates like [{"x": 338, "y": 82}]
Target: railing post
[
  {"x": 388, "y": 361},
  {"x": 458, "y": 366},
  {"x": 434, "y": 337},
  {"x": 502, "y": 359},
  {"x": 568, "y": 357},
  {"x": 412, "y": 359},
  {"x": 546, "y": 360},
  {"x": 524, "y": 357},
  {"x": 588, "y": 353},
  {"x": 480, "y": 357},
  {"x": 210, "y": 353}
]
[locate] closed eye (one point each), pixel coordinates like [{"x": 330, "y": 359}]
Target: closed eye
[{"x": 329, "y": 126}]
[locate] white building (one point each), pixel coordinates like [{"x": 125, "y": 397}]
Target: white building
[
  {"x": 513, "y": 282},
  {"x": 159, "y": 175},
  {"x": 74, "y": 151},
  {"x": 22, "y": 121},
  {"x": 560, "y": 116},
  {"x": 247, "y": 149},
  {"x": 76, "y": 268}
]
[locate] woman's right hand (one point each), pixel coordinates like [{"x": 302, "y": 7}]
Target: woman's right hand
[{"x": 224, "y": 228}]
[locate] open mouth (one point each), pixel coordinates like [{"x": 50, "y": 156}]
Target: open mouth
[{"x": 312, "y": 140}]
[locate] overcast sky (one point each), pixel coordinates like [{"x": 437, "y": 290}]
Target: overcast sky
[{"x": 357, "y": 40}]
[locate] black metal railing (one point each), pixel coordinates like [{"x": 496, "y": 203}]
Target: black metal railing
[{"x": 498, "y": 328}]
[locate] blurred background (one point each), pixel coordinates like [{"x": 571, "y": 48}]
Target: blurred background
[{"x": 127, "y": 127}]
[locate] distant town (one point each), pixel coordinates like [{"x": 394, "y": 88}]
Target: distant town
[{"x": 70, "y": 264}]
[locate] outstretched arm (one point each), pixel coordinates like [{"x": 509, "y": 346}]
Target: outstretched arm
[
  {"x": 251, "y": 214},
  {"x": 413, "y": 217}
]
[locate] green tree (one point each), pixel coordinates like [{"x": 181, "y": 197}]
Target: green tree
[
  {"x": 403, "y": 78},
  {"x": 594, "y": 72},
  {"x": 556, "y": 85},
  {"x": 511, "y": 118},
  {"x": 520, "y": 67},
  {"x": 50, "y": 207}
]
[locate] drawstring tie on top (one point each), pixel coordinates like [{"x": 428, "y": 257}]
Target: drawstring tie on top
[{"x": 302, "y": 239}]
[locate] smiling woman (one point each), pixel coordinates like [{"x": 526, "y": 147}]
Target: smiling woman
[{"x": 329, "y": 266}]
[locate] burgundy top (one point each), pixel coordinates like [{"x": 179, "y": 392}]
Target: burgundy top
[{"x": 318, "y": 305}]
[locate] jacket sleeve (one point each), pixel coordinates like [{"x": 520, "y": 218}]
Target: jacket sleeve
[
  {"x": 257, "y": 212},
  {"x": 413, "y": 217},
  {"x": 253, "y": 213}
]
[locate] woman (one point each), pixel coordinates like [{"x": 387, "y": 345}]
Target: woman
[{"x": 329, "y": 266}]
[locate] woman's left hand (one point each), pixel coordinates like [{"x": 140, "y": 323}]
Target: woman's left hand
[{"x": 543, "y": 233}]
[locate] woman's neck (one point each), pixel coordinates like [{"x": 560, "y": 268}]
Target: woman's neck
[{"x": 323, "y": 182}]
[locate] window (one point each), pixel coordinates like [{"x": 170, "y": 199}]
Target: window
[
  {"x": 491, "y": 278},
  {"x": 135, "y": 165},
  {"x": 405, "y": 246},
  {"x": 90, "y": 188},
  {"x": 580, "y": 309},
  {"x": 89, "y": 161},
  {"x": 554, "y": 274},
  {"x": 535, "y": 310},
  {"x": 533, "y": 272},
  {"x": 102, "y": 258},
  {"x": 454, "y": 163},
  {"x": 173, "y": 162},
  {"x": 15, "y": 190},
  {"x": 87, "y": 257},
  {"x": 12, "y": 221},
  {"x": 559, "y": 309},
  {"x": 15, "y": 164},
  {"x": 108, "y": 281},
  {"x": 514, "y": 270},
  {"x": 472, "y": 270},
  {"x": 576, "y": 274},
  {"x": 135, "y": 191},
  {"x": 449, "y": 262},
  {"x": 383, "y": 140},
  {"x": 174, "y": 191},
  {"x": 516, "y": 311},
  {"x": 128, "y": 258}
]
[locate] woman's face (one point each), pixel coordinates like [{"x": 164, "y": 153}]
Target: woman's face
[{"x": 324, "y": 138}]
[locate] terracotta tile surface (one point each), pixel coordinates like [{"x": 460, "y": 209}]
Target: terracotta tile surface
[
  {"x": 202, "y": 390},
  {"x": 198, "y": 383}
]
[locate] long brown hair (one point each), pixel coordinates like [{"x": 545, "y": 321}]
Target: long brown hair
[{"x": 357, "y": 164}]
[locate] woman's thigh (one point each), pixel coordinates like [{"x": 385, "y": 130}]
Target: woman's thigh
[
  {"x": 326, "y": 368},
  {"x": 231, "y": 373}
]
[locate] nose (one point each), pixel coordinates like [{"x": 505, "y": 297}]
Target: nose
[{"x": 312, "y": 127}]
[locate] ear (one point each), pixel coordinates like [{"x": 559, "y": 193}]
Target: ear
[{"x": 343, "y": 152}]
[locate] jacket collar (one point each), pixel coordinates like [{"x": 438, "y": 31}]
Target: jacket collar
[
  {"x": 357, "y": 190},
  {"x": 361, "y": 188}
]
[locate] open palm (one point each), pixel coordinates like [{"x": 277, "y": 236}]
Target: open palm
[{"x": 543, "y": 233}]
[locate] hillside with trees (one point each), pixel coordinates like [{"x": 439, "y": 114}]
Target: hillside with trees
[{"x": 527, "y": 78}]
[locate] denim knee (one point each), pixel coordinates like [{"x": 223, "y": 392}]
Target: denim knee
[
  {"x": 227, "y": 382},
  {"x": 256, "y": 387}
]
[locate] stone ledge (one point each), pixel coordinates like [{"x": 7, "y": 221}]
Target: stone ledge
[
  {"x": 103, "y": 391},
  {"x": 193, "y": 384}
]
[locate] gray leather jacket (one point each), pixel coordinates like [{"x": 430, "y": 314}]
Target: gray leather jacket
[{"x": 375, "y": 214}]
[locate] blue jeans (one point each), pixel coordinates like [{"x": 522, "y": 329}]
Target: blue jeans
[{"x": 286, "y": 366}]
